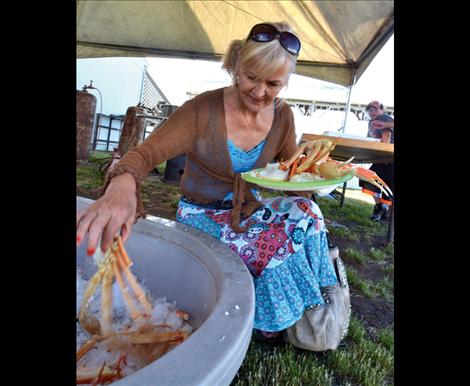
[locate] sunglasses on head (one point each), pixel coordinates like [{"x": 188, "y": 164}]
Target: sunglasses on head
[{"x": 266, "y": 33}]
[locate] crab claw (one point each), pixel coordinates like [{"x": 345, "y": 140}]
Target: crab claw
[
  {"x": 334, "y": 169},
  {"x": 371, "y": 177},
  {"x": 94, "y": 375}
]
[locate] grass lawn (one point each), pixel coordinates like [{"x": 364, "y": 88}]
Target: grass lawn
[{"x": 366, "y": 355}]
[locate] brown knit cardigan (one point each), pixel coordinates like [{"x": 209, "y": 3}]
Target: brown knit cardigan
[{"x": 197, "y": 129}]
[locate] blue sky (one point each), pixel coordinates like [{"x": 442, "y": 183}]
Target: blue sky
[{"x": 177, "y": 77}]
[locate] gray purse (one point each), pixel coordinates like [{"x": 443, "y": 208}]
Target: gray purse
[{"x": 322, "y": 327}]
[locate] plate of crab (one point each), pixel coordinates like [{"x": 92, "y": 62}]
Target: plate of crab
[{"x": 311, "y": 169}]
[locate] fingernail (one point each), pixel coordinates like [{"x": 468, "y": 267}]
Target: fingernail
[
  {"x": 78, "y": 239},
  {"x": 90, "y": 251}
]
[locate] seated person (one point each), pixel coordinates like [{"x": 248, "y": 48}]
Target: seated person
[{"x": 380, "y": 126}]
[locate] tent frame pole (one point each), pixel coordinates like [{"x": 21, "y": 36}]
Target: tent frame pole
[{"x": 348, "y": 103}]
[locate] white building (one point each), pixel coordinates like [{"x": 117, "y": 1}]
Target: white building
[{"x": 119, "y": 84}]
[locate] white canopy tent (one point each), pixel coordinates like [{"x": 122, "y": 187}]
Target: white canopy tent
[{"x": 339, "y": 38}]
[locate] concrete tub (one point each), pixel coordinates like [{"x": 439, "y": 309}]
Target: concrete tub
[{"x": 207, "y": 280}]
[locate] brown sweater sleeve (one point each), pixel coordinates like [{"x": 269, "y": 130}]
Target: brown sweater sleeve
[{"x": 173, "y": 138}]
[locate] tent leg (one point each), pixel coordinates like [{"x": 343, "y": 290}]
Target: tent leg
[
  {"x": 390, "y": 232},
  {"x": 342, "y": 195},
  {"x": 348, "y": 103}
]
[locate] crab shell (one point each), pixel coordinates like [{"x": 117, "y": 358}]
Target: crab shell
[{"x": 333, "y": 170}]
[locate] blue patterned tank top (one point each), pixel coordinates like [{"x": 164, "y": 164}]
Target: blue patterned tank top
[{"x": 242, "y": 161}]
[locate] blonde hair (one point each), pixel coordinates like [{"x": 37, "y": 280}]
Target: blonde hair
[{"x": 265, "y": 57}]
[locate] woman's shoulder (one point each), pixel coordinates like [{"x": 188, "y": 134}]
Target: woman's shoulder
[
  {"x": 202, "y": 106},
  {"x": 209, "y": 95}
]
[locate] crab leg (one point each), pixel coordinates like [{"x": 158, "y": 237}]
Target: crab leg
[
  {"x": 323, "y": 149},
  {"x": 327, "y": 149},
  {"x": 159, "y": 350},
  {"x": 371, "y": 177},
  {"x": 134, "y": 313},
  {"x": 133, "y": 282},
  {"x": 293, "y": 169},
  {"x": 107, "y": 300},
  {"x": 103, "y": 374},
  {"x": 123, "y": 252},
  {"x": 342, "y": 165},
  {"x": 310, "y": 158},
  {"x": 142, "y": 336},
  {"x": 326, "y": 152},
  {"x": 87, "y": 320},
  {"x": 89, "y": 345},
  {"x": 157, "y": 337},
  {"x": 287, "y": 164}
]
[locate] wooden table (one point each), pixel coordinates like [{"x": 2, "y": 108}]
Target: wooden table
[{"x": 364, "y": 152}]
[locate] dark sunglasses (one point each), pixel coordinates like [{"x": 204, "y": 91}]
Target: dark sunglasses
[{"x": 266, "y": 33}]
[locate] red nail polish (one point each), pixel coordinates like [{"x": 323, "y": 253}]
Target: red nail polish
[
  {"x": 78, "y": 239},
  {"x": 90, "y": 251}
]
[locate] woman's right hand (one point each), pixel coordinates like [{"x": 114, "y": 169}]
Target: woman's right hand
[{"x": 111, "y": 214}]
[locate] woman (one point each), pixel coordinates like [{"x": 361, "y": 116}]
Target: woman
[{"x": 225, "y": 132}]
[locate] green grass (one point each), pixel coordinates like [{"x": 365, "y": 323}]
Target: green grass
[
  {"x": 88, "y": 177},
  {"x": 330, "y": 208},
  {"x": 389, "y": 249},
  {"x": 372, "y": 228},
  {"x": 364, "y": 287},
  {"x": 355, "y": 255},
  {"x": 364, "y": 361},
  {"x": 281, "y": 366},
  {"x": 167, "y": 194},
  {"x": 387, "y": 339},
  {"x": 343, "y": 233},
  {"x": 372, "y": 364},
  {"x": 377, "y": 254},
  {"x": 384, "y": 257},
  {"x": 99, "y": 156},
  {"x": 161, "y": 168},
  {"x": 360, "y": 360},
  {"x": 383, "y": 288},
  {"x": 356, "y": 331},
  {"x": 353, "y": 211}
]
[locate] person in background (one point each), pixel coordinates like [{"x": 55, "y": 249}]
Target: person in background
[
  {"x": 224, "y": 132},
  {"x": 380, "y": 126}
]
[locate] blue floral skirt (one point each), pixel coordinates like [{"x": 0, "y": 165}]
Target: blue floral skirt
[{"x": 286, "y": 250}]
